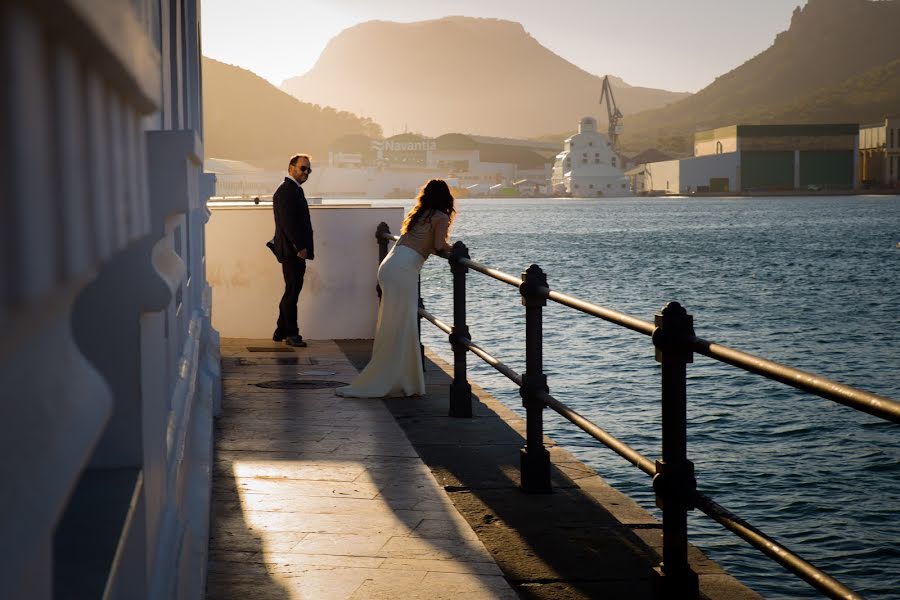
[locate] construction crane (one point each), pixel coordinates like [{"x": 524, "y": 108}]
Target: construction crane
[{"x": 612, "y": 111}]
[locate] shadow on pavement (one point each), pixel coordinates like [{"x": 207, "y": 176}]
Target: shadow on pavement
[
  {"x": 563, "y": 545},
  {"x": 292, "y": 465}
]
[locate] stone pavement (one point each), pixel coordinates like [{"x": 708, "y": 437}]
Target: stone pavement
[{"x": 320, "y": 497}]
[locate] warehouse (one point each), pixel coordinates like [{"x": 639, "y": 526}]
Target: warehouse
[
  {"x": 762, "y": 158},
  {"x": 879, "y": 154}
]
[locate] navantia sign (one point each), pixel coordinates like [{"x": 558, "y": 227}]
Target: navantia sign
[{"x": 411, "y": 152}]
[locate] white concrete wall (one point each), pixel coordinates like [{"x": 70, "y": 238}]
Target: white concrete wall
[
  {"x": 338, "y": 300},
  {"x": 663, "y": 176},
  {"x": 589, "y": 186},
  {"x": 698, "y": 171},
  {"x": 685, "y": 175}
]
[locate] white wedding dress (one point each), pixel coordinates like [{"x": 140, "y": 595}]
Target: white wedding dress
[{"x": 396, "y": 365}]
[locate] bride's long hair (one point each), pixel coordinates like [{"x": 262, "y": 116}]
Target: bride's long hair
[{"x": 434, "y": 196}]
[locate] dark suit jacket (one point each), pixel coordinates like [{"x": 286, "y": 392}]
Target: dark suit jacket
[{"x": 293, "y": 229}]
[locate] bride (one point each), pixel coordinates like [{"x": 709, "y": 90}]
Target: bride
[{"x": 395, "y": 368}]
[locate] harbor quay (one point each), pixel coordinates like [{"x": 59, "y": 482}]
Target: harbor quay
[{"x": 317, "y": 496}]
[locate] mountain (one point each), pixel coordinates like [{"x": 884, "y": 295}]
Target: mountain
[
  {"x": 460, "y": 74},
  {"x": 247, "y": 118},
  {"x": 837, "y": 62}
]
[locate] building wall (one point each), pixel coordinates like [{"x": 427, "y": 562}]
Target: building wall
[
  {"x": 715, "y": 172},
  {"x": 537, "y": 175},
  {"x": 637, "y": 180},
  {"x": 716, "y": 141},
  {"x": 437, "y": 158},
  {"x": 797, "y": 170},
  {"x": 663, "y": 176},
  {"x": 699, "y": 173},
  {"x": 586, "y": 186},
  {"x": 799, "y": 143},
  {"x": 893, "y": 124},
  {"x": 879, "y": 154},
  {"x": 767, "y": 170},
  {"x": 872, "y": 167},
  {"x": 826, "y": 169},
  {"x": 872, "y": 137},
  {"x": 108, "y": 360},
  {"x": 588, "y": 166},
  {"x": 496, "y": 172}
]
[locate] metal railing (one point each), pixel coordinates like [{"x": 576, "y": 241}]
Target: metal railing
[{"x": 674, "y": 484}]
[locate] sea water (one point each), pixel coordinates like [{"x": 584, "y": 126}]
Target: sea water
[{"x": 811, "y": 282}]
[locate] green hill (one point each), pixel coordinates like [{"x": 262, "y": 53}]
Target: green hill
[
  {"x": 837, "y": 62},
  {"x": 868, "y": 97},
  {"x": 247, "y": 118}
]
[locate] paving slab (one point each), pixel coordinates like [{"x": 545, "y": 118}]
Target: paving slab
[
  {"x": 320, "y": 497},
  {"x": 585, "y": 540}
]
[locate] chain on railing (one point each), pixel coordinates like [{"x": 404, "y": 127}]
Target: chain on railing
[{"x": 673, "y": 476}]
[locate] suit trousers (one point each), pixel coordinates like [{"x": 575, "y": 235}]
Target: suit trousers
[{"x": 293, "y": 270}]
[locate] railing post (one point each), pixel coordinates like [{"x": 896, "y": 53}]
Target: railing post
[
  {"x": 460, "y": 390},
  {"x": 535, "y": 460},
  {"x": 419, "y": 324},
  {"x": 674, "y": 481},
  {"x": 380, "y": 232}
]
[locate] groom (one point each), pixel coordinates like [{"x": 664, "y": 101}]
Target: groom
[{"x": 293, "y": 245}]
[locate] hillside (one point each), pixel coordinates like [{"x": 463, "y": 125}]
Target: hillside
[
  {"x": 459, "y": 74},
  {"x": 247, "y": 118},
  {"x": 837, "y": 62}
]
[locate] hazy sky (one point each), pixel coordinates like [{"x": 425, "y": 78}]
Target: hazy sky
[{"x": 679, "y": 45}]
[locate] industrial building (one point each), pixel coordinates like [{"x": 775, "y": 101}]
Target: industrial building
[
  {"x": 399, "y": 165},
  {"x": 879, "y": 154},
  {"x": 478, "y": 159},
  {"x": 759, "y": 158},
  {"x": 236, "y": 179},
  {"x": 588, "y": 165}
]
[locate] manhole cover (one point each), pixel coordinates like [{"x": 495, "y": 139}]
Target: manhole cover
[
  {"x": 299, "y": 384},
  {"x": 269, "y": 360},
  {"x": 317, "y": 373}
]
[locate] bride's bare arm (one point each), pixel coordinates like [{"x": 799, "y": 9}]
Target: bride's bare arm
[{"x": 441, "y": 232}]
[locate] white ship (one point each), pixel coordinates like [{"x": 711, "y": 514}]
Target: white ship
[{"x": 588, "y": 166}]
